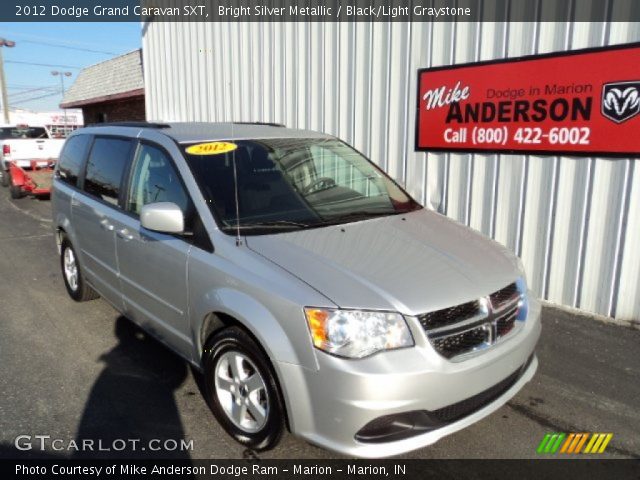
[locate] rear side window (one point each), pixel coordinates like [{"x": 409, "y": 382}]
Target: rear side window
[
  {"x": 106, "y": 167},
  {"x": 72, "y": 158}
]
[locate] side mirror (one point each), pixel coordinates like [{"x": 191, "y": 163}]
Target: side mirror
[{"x": 164, "y": 217}]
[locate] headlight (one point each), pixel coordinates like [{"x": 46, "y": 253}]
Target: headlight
[{"x": 357, "y": 333}]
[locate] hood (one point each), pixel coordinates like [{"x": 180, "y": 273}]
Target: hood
[{"x": 411, "y": 263}]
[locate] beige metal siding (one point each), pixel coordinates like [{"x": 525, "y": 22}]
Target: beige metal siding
[{"x": 570, "y": 219}]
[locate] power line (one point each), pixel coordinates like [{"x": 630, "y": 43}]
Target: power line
[
  {"x": 25, "y": 87},
  {"x": 61, "y": 42},
  {"x": 41, "y": 64},
  {"x": 35, "y": 98},
  {"x": 69, "y": 47},
  {"x": 31, "y": 90}
]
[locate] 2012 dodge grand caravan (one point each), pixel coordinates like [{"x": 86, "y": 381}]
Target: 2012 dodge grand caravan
[{"x": 307, "y": 286}]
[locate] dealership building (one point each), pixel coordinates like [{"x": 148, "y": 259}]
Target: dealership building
[{"x": 570, "y": 213}]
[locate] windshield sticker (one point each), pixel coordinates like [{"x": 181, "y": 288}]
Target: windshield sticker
[{"x": 211, "y": 148}]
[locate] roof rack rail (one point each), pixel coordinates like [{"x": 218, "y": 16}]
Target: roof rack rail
[
  {"x": 131, "y": 124},
  {"x": 269, "y": 124}
]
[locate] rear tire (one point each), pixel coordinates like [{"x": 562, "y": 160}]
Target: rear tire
[
  {"x": 6, "y": 178},
  {"x": 76, "y": 286},
  {"x": 15, "y": 192},
  {"x": 241, "y": 389}
]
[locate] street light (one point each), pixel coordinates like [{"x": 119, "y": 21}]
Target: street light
[
  {"x": 5, "y": 102},
  {"x": 55, "y": 73}
]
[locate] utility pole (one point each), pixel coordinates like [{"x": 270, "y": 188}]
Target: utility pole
[
  {"x": 55, "y": 73},
  {"x": 5, "y": 100}
]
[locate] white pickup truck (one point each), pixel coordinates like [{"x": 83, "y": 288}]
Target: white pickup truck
[{"x": 23, "y": 143}]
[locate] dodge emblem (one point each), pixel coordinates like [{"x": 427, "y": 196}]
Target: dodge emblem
[{"x": 621, "y": 100}]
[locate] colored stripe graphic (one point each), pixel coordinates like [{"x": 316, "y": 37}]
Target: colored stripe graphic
[
  {"x": 598, "y": 443},
  {"x": 577, "y": 438},
  {"x": 551, "y": 442},
  {"x": 583, "y": 439},
  {"x": 605, "y": 442},
  {"x": 573, "y": 443},
  {"x": 567, "y": 442},
  {"x": 592, "y": 442},
  {"x": 543, "y": 443},
  {"x": 559, "y": 440}
]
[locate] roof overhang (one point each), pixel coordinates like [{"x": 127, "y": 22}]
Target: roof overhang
[{"x": 103, "y": 99}]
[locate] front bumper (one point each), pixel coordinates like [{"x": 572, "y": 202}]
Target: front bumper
[{"x": 328, "y": 407}]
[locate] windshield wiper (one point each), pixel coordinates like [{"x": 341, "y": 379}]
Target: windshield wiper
[
  {"x": 355, "y": 216},
  {"x": 270, "y": 224}
]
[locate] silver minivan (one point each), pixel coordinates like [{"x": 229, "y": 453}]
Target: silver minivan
[{"x": 311, "y": 291}]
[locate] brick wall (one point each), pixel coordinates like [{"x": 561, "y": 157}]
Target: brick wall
[{"x": 130, "y": 109}]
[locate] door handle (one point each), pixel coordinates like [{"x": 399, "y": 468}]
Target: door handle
[
  {"x": 106, "y": 225},
  {"x": 124, "y": 234}
]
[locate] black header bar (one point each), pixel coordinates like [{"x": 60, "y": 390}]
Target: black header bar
[
  {"x": 319, "y": 10},
  {"x": 328, "y": 469}
]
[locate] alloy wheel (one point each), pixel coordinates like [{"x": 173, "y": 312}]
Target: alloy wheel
[
  {"x": 71, "y": 269},
  {"x": 241, "y": 391}
]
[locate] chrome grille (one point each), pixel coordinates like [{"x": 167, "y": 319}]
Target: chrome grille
[
  {"x": 499, "y": 298},
  {"x": 452, "y": 345},
  {"x": 473, "y": 325},
  {"x": 448, "y": 316},
  {"x": 507, "y": 321}
]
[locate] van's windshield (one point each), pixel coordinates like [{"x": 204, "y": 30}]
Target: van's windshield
[{"x": 292, "y": 183}]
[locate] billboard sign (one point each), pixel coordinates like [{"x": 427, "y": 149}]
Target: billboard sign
[{"x": 580, "y": 102}]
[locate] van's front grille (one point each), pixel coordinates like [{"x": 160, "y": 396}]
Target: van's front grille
[
  {"x": 452, "y": 345},
  {"x": 448, "y": 316},
  {"x": 473, "y": 325},
  {"x": 503, "y": 296}
]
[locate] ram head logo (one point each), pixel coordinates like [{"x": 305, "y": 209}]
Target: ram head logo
[{"x": 621, "y": 100}]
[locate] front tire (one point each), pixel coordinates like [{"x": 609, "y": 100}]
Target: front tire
[
  {"x": 241, "y": 389},
  {"x": 76, "y": 286}
]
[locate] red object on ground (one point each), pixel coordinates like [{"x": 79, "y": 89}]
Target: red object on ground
[{"x": 33, "y": 180}]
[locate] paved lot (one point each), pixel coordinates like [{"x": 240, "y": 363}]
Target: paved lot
[{"x": 78, "y": 371}]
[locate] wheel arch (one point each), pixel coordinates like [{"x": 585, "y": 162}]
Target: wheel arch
[
  {"x": 64, "y": 229},
  {"x": 58, "y": 234}
]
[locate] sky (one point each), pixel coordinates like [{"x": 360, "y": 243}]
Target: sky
[{"x": 69, "y": 46}]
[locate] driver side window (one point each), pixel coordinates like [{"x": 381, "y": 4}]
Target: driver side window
[{"x": 154, "y": 179}]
